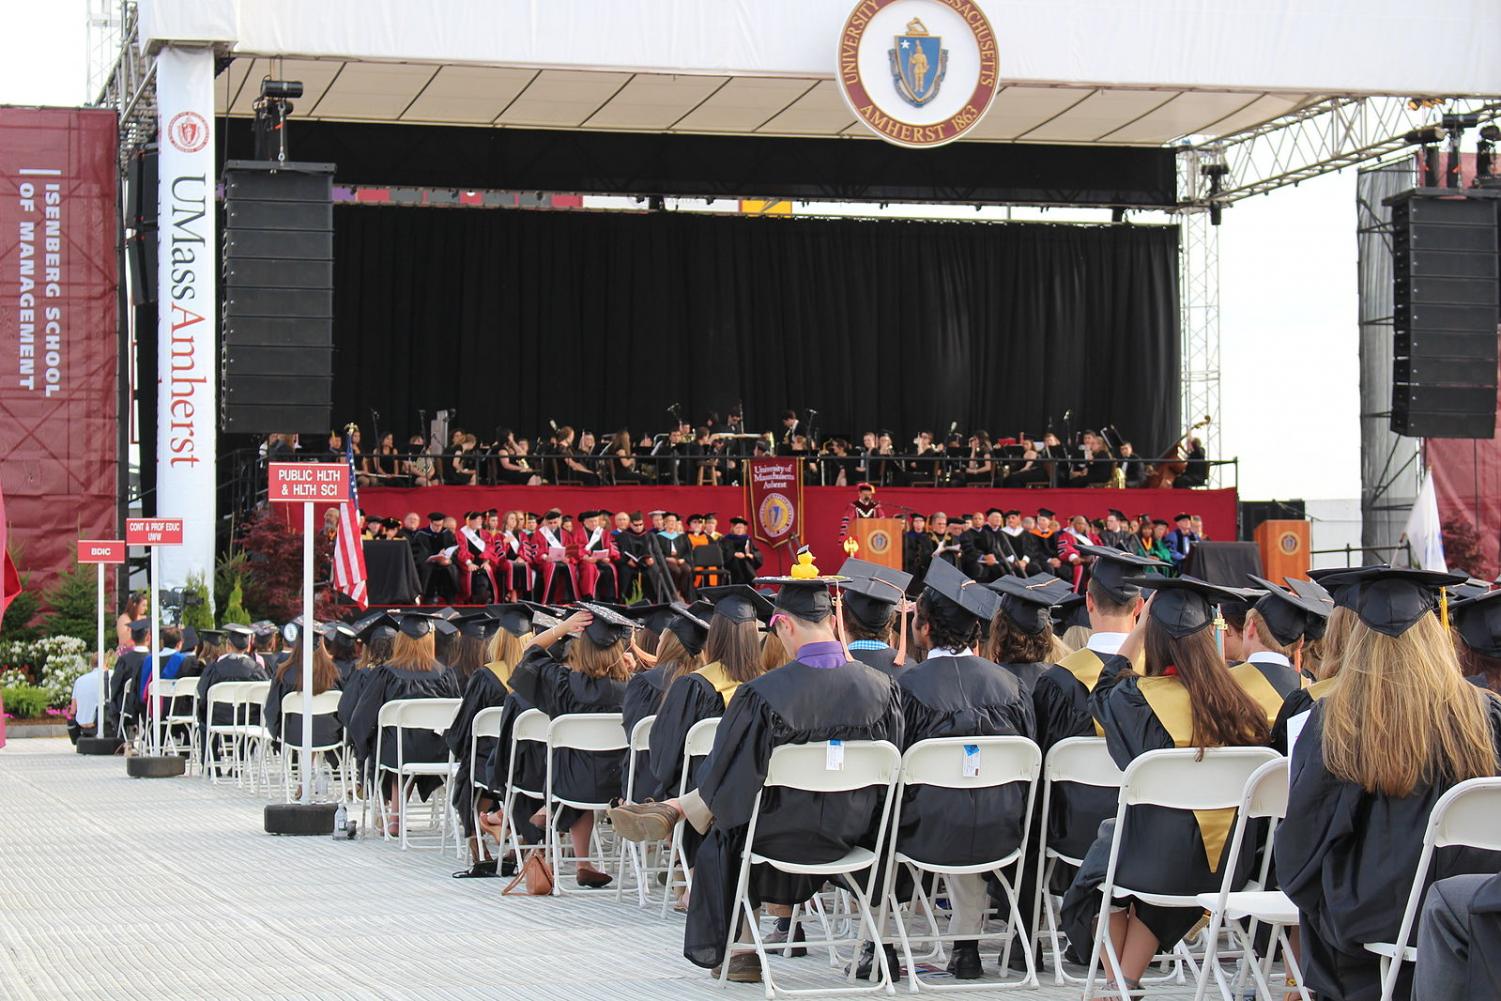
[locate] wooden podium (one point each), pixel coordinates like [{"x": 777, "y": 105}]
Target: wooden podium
[
  {"x": 880, "y": 540},
  {"x": 1284, "y": 549}
]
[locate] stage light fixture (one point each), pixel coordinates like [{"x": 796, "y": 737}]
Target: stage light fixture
[
  {"x": 1485, "y": 153},
  {"x": 1427, "y": 138},
  {"x": 1455, "y": 126},
  {"x": 1216, "y": 172},
  {"x": 271, "y": 111}
]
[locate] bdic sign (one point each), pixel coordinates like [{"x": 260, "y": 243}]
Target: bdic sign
[
  {"x": 101, "y": 550},
  {"x": 153, "y": 532},
  {"x": 308, "y": 482}
]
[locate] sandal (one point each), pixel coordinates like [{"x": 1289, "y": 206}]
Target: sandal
[
  {"x": 1112, "y": 991},
  {"x": 486, "y": 869}
]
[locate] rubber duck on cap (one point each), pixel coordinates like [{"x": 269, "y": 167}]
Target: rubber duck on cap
[{"x": 803, "y": 568}]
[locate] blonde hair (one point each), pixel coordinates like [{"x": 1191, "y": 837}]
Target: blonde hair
[
  {"x": 414, "y": 653},
  {"x": 773, "y": 653},
  {"x": 1076, "y": 637},
  {"x": 1331, "y": 648},
  {"x": 1402, "y": 714},
  {"x": 505, "y": 652},
  {"x": 598, "y": 661},
  {"x": 675, "y": 657},
  {"x": 1266, "y": 638}
]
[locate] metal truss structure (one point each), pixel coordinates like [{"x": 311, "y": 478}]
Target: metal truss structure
[{"x": 128, "y": 83}]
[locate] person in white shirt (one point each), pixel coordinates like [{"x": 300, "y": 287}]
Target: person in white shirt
[{"x": 83, "y": 711}]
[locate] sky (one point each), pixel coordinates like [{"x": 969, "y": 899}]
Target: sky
[{"x": 1288, "y": 356}]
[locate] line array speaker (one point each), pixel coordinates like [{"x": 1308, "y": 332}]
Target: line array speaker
[
  {"x": 1447, "y": 286},
  {"x": 276, "y": 366}
]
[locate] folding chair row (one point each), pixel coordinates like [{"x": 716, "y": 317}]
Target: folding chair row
[{"x": 421, "y": 716}]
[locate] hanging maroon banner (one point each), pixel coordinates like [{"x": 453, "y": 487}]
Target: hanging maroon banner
[
  {"x": 58, "y": 281},
  {"x": 774, "y": 499}
]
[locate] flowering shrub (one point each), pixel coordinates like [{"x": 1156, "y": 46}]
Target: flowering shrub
[{"x": 51, "y": 664}]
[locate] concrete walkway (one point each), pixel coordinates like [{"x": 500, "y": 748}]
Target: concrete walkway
[{"x": 158, "y": 890}]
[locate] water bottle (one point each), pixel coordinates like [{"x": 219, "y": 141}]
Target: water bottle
[{"x": 341, "y": 821}]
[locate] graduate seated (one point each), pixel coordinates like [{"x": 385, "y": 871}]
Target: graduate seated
[
  {"x": 288, "y": 679},
  {"x": 590, "y": 678},
  {"x": 1477, "y": 625},
  {"x": 413, "y": 671},
  {"x": 1185, "y": 697},
  {"x": 818, "y": 696},
  {"x": 233, "y": 664},
  {"x": 871, "y": 605},
  {"x": 1396, "y": 729},
  {"x": 681, "y": 636}
]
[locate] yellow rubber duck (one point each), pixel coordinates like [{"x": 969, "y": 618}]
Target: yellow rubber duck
[{"x": 803, "y": 568}]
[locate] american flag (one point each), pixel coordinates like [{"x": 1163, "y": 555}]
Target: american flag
[{"x": 349, "y": 551}]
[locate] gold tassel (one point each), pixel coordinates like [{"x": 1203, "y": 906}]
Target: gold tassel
[
  {"x": 901, "y": 649},
  {"x": 839, "y": 622},
  {"x": 1443, "y": 607}
]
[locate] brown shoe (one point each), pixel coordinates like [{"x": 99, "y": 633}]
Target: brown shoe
[
  {"x": 745, "y": 968},
  {"x": 643, "y": 821}
]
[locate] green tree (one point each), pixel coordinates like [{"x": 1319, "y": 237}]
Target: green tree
[
  {"x": 18, "y": 624},
  {"x": 74, "y": 605},
  {"x": 196, "y": 610},
  {"x": 234, "y": 609}
]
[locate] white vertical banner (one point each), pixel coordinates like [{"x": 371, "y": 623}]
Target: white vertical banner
[
  {"x": 187, "y": 264},
  {"x": 1424, "y": 532}
]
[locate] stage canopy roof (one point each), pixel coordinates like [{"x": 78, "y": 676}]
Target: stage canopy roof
[{"x": 1109, "y": 72}]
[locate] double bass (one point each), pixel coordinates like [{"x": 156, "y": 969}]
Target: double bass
[{"x": 1173, "y": 464}]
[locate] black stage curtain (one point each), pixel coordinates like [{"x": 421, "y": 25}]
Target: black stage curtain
[{"x": 600, "y": 320}]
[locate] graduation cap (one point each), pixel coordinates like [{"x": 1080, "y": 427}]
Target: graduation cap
[
  {"x": 873, "y": 590},
  {"x": 515, "y": 617},
  {"x": 690, "y": 630},
  {"x": 609, "y": 626},
  {"x": 445, "y": 627},
  {"x": 1183, "y": 605},
  {"x": 1286, "y": 613},
  {"x": 543, "y": 621},
  {"x": 947, "y": 587},
  {"x": 366, "y": 626},
  {"x": 211, "y": 636},
  {"x": 338, "y": 631},
  {"x": 1388, "y": 599},
  {"x": 415, "y": 624},
  {"x": 653, "y": 616},
  {"x": 1112, "y": 567},
  {"x": 806, "y": 596},
  {"x": 1027, "y": 606},
  {"x": 189, "y": 637},
  {"x": 1045, "y": 512},
  {"x": 436, "y": 516},
  {"x": 1478, "y": 620},
  {"x": 477, "y": 625},
  {"x": 738, "y": 602},
  {"x": 704, "y": 608},
  {"x": 239, "y": 635},
  {"x": 446, "y": 612},
  {"x": 1314, "y": 591},
  {"x": 1071, "y": 611},
  {"x": 140, "y": 627},
  {"x": 1472, "y": 588},
  {"x": 264, "y": 629}
]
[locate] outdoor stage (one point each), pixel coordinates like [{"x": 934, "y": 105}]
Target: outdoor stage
[{"x": 822, "y": 506}]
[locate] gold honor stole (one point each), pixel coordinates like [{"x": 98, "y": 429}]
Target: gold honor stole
[
  {"x": 502, "y": 670},
  {"x": 1319, "y": 689},
  {"x": 1085, "y": 665},
  {"x": 716, "y": 675},
  {"x": 1254, "y": 683},
  {"x": 1169, "y": 702}
]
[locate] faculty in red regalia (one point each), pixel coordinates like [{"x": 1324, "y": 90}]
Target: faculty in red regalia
[
  {"x": 476, "y": 570},
  {"x": 507, "y": 554},
  {"x": 597, "y": 554},
  {"x": 551, "y": 554}
]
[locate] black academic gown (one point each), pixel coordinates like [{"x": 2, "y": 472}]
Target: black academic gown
[
  {"x": 556, "y": 689},
  {"x": 388, "y": 683},
  {"x": 127, "y": 668},
  {"x": 326, "y": 729},
  {"x": 1162, "y": 850},
  {"x": 883, "y": 660},
  {"x": 531, "y": 769},
  {"x": 740, "y": 571},
  {"x": 794, "y": 704},
  {"x": 230, "y": 667},
  {"x": 964, "y": 696},
  {"x": 346, "y": 669},
  {"x": 643, "y": 694},
  {"x": 1347, "y": 858},
  {"x": 1061, "y": 701},
  {"x": 691, "y": 700},
  {"x": 485, "y": 690}
]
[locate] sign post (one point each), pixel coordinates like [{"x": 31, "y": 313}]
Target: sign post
[
  {"x": 153, "y": 533},
  {"x": 101, "y": 553},
  {"x": 306, "y": 483}
]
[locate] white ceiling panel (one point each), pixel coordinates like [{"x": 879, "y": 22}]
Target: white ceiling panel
[
  {"x": 1263, "y": 109},
  {"x": 374, "y": 90},
  {"x": 743, "y": 103},
  {"x": 227, "y": 85},
  {"x": 1101, "y": 112},
  {"x": 1186, "y": 114},
  {"x": 563, "y": 98},
  {"x": 653, "y": 102},
  {"x": 1017, "y": 110},
  {"x": 821, "y": 111},
  {"x": 468, "y": 95},
  {"x": 314, "y": 74}
]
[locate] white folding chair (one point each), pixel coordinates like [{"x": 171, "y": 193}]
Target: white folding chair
[
  {"x": 435, "y": 715},
  {"x": 591, "y": 732},
  {"x": 1265, "y": 797},
  {"x": 252, "y": 738},
  {"x": 529, "y": 727},
  {"x": 1177, "y": 779},
  {"x": 172, "y": 691},
  {"x": 640, "y": 744},
  {"x": 485, "y": 725},
  {"x": 122, "y": 728},
  {"x": 805, "y": 767},
  {"x": 324, "y": 704},
  {"x": 1084, "y": 761},
  {"x": 698, "y": 742},
  {"x": 1465, "y": 815},
  {"x": 940, "y": 761},
  {"x": 222, "y": 736}
]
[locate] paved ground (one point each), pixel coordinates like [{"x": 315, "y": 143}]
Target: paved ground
[{"x": 158, "y": 890}]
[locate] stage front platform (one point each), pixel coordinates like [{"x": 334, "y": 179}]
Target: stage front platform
[{"x": 823, "y": 507}]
